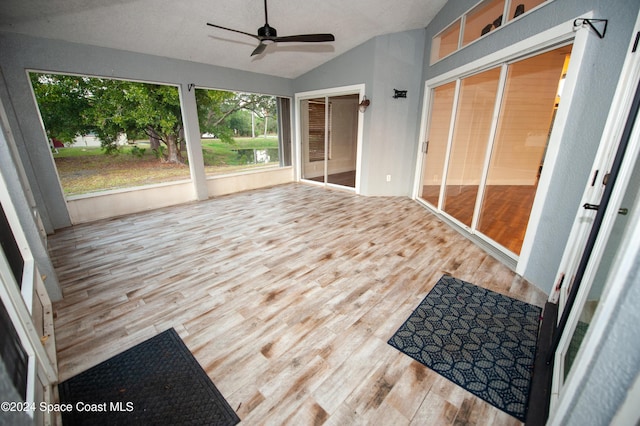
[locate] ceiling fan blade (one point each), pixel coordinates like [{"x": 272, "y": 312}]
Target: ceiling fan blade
[
  {"x": 267, "y": 35},
  {"x": 235, "y": 31},
  {"x": 258, "y": 50},
  {"x": 305, "y": 38}
]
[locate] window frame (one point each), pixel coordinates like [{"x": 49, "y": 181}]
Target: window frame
[
  {"x": 103, "y": 192},
  {"x": 433, "y": 59},
  {"x": 279, "y": 122}
]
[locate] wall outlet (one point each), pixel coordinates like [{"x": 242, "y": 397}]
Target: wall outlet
[{"x": 388, "y": 178}]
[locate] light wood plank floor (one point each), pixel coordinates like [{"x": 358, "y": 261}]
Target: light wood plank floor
[{"x": 286, "y": 296}]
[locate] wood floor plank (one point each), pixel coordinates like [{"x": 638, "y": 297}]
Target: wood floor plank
[
  {"x": 403, "y": 396},
  {"x": 286, "y": 296}
]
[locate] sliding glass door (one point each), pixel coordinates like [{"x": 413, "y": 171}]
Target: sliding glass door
[
  {"x": 329, "y": 135},
  {"x": 343, "y": 140},
  {"x": 528, "y": 106},
  {"x": 476, "y": 101},
  {"x": 486, "y": 142}
]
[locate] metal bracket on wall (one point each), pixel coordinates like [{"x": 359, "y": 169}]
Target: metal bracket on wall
[{"x": 580, "y": 22}]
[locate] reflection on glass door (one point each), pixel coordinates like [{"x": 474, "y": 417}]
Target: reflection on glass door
[
  {"x": 485, "y": 166},
  {"x": 469, "y": 146},
  {"x": 329, "y": 139}
]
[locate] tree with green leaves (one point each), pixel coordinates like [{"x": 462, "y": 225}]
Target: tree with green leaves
[
  {"x": 73, "y": 106},
  {"x": 217, "y": 110},
  {"x": 63, "y": 101}
]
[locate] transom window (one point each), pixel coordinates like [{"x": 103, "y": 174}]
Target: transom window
[{"x": 485, "y": 17}]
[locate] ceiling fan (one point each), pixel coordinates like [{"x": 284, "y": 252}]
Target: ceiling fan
[{"x": 268, "y": 35}]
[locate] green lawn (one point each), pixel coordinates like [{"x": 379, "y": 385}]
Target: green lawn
[{"x": 85, "y": 170}]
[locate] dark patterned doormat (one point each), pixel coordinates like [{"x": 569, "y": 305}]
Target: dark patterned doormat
[
  {"x": 157, "y": 382},
  {"x": 481, "y": 340}
]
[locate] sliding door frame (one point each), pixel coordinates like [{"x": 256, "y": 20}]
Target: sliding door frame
[
  {"x": 565, "y": 391},
  {"x": 358, "y": 89},
  {"x": 555, "y": 37}
]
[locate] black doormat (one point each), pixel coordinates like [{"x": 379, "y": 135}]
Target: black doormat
[
  {"x": 157, "y": 382},
  {"x": 481, "y": 340}
]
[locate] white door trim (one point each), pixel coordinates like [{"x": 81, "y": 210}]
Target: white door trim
[{"x": 335, "y": 91}]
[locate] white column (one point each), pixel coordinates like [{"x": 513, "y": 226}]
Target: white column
[{"x": 192, "y": 136}]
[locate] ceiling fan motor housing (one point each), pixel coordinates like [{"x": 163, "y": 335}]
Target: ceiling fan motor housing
[{"x": 267, "y": 31}]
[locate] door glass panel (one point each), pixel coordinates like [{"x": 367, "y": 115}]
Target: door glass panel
[
  {"x": 470, "y": 137},
  {"x": 437, "y": 137},
  {"x": 518, "y": 7},
  {"x": 313, "y": 138},
  {"x": 528, "y": 105},
  {"x": 343, "y": 140},
  {"x": 446, "y": 42}
]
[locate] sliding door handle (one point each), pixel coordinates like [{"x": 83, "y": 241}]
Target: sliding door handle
[{"x": 587, "y": 206}]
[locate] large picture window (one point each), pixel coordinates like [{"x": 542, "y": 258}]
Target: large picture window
[
  {"x": 109, "y": 134},
  {"x": 242, "y": 131}
]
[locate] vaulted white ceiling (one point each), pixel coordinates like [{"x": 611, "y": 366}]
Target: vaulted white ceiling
[{"x": 177, "y": 28}]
